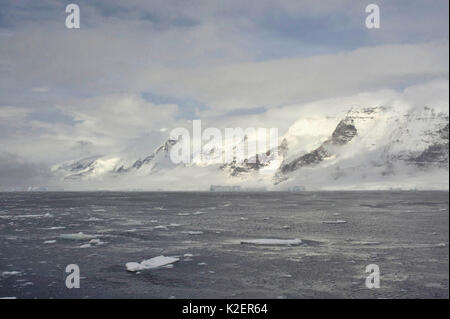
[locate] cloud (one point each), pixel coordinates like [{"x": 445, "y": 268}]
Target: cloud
[
  {"x": 137, "y": 68},
  {"x": 279, "y": 82},
  {"x": 17, "y": 172}
]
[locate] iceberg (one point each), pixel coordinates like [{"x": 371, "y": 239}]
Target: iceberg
[{"x": 152, "y": 263}]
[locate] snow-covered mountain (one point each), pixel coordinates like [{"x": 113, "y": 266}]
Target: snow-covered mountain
[
  {"x": 375, "y": 147},
  {"x": 97, "y": 166}
]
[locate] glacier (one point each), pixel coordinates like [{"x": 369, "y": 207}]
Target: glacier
[{"x": 377, "y": 147}]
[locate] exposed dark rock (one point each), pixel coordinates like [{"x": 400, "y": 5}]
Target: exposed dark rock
[{"x": 345, "y": 131}]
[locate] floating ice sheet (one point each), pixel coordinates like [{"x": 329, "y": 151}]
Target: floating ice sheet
[
  {"x": 152, "y": 263},
  {"x": 266, "y": 241},
  {"x": 77, "y": 236}
]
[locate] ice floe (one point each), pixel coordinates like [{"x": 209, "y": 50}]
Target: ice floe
[
  {"x": 338, "y": 221},
  {"x": 267, "y": 241},
  {"x": 152, "y": 263},
  {"x": 10, "y": 273},
  {"x": 77, "y": 236},
  {"x": 366, "y": 243},
  {"x": 92, "y": 242}
]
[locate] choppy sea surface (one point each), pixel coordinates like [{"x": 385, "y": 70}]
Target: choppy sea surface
[{"x": 406, "y": 234}]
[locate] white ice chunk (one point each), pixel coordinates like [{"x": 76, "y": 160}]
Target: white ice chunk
[
  {"x": 152, "y": 263},
  {"x": 263, "y": 241},
  {"x": 338, "y": 221},
  {"x": 10, "y": 273},
  {"x": 78, "y": 236},
  {"x": 96, "y": 241}
]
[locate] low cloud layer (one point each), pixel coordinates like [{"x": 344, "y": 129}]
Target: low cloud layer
[{"x": 134, "y": 70}]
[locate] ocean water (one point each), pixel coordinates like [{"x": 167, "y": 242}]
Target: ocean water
[{"x": 406, "y": 234}]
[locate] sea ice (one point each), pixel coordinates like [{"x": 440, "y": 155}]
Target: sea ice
[
  {"x": 10, "y": 273},
  {"x": 192, "y": 232},
  {"x": 96, "y": 241},
  {"x": 338, "y": 221},
  {"x": 78, "y": 236},
  {"x": 289, "y": 242},
  {"x": 152, "y": 263}
]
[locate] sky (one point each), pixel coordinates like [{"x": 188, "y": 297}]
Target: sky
[{"x": 136, "y": 69}]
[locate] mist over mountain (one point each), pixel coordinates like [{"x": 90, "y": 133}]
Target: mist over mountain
[{"x": 362, "y": 148}]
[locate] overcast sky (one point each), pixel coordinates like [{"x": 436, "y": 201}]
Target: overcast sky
[{"x": 136, "y": 69}]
